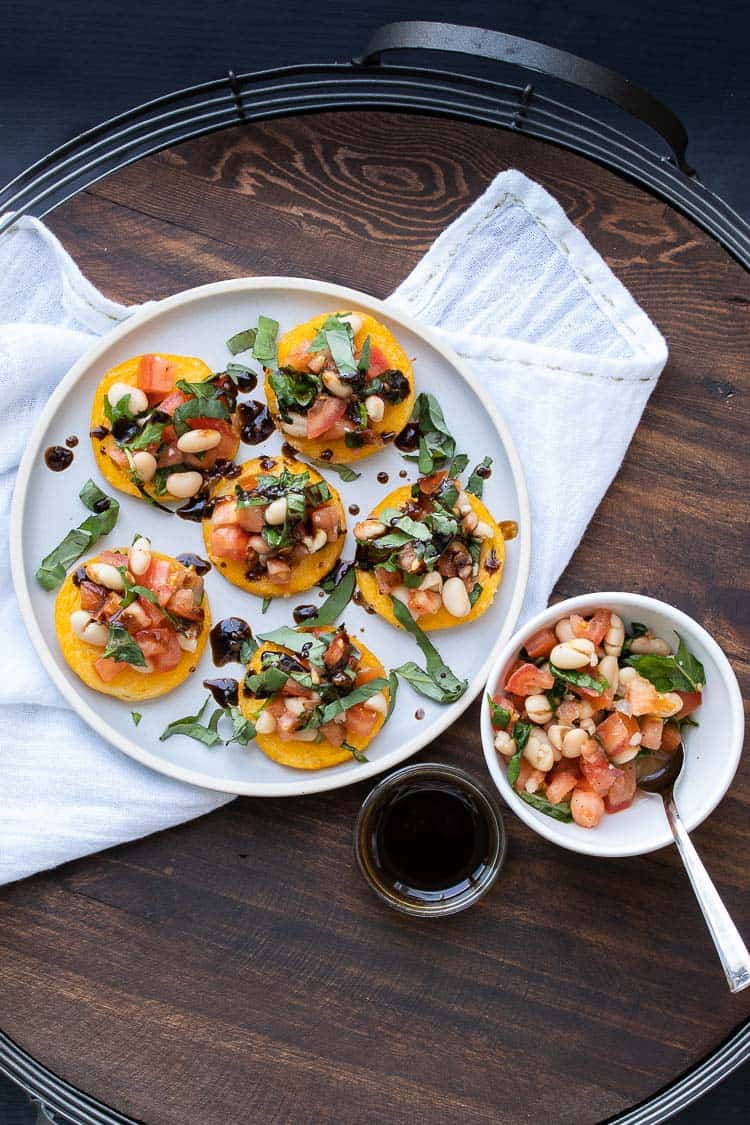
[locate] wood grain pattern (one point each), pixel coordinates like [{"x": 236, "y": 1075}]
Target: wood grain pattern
[{"x": 236, "y": 969}]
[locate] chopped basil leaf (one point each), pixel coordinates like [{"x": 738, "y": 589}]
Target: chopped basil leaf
[
  {"x": 475, "y": 594},
  {"x": 637, "y": 629},
  {"x": 392, "y": 692},
  {"x": 363, "y": 363},
  {"x": 267, "y": 682},
  {"x": 294, "y": 390},
  {"x": 560, "y": 811},
  {"x": 460, "y": 461},
  {"x": 688, "y": 721},
  {"x": 355, "y": 753},
  {"x": 54, "y": 566},
  {"x": 450, "y": 687},
  {"x": 192, "y": 727},
  {"x": 120, "y": 412},
  {"x": 243, "y": 730},
  {"x": 499, "y": 716},
  {"x": 266, "y": 603},
  {"x": 242, "y": 341},
  {"x": 476, "y": 480},
  {"x": 336, "y": 602},
  {"x": 520, "y": 735},
  {"x": 436, "y": 443},
  {"x": 122, "y": 648},
  {"x": 264, "y": 348},
  {"x": 151, "y": 434},
  {"x": 421, "y": 681},
  {"x": 344, "y": 471},
  {"x": 359, "y": 695},
  {"x": 133, "y": 591},
  {"x": 248, "y": 650},
  {"x": 339, "y": 341},
  {"x": 198, "y": 408},
  {"x": 680, "y": 672},
  {"x": 136, "y": 716},
  {"x": 304, "y": 644},
  {"x": 580, "y": 679}
]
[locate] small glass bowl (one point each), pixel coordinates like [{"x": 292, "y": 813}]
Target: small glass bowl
[{"x": 416, "y": 902}]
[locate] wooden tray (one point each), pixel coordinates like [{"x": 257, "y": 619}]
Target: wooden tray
[{"x": 237, "y": 969}]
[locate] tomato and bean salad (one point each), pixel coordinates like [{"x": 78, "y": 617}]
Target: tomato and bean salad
[{"x": 587, "y": 709}]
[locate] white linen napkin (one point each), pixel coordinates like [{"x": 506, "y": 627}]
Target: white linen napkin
[{"x": 511, "y": 285}]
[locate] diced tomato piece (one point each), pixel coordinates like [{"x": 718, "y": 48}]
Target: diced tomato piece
[
  {"x": 335, "y": 733},
  {"x": 114, "y": 558},
  {"x": 251, "y": 518},
  {"x": 279, "y": 572},
  {"x": 387, "y": 580},
  {"x": 595, "y": 629},
  {"x": 111, "y": 606},
  {"x": 561, "y": 780},
  {"x": 230, "y": 438},
  {"x": 378, "y": 362},
  {"x": 154, "y": 615},
  {"x": 529, "y": 680},
  {"x": 160, "y": 578},
  {"x": 428, "y": 486},
  {"x": 670, "y": 738},
  {"x": 360, "y": 720},
  {"x": 691, "y": 700},
  {"x": 323, "y": 414},
  {"x": 651, "y": 732},
  {"x": 299, "y": 357},
  {"x": 108, "y": 669},
  {"x": 568, "y": 711},
  {"x": 622, "y": 790},
  {"x": 92, "y": 596},
  {"x": 225, "y": 513},
  {"x": 160, "y": 647},
  {"x": 529, "y": 780},
  {"x": 170, "y": 404},
  {"x": 291, "y": 687},
  {"x": 424, "y": 601},
  {"x": 326, "y": 518},
  {"x": 183, "y": 604},
  {"x": 644, "y": 699},
  {"x": 156, "y": 375},
  {"x": 118, "y": 456},
  {"x": 364, "y": 675},
  {"x": 340, "y": 429},
  {"x": 338, "y": 652},
  {"x": 229, "y": 542},
  {"x": 596, "y": 768},
  {"x": 286, "y": 725},
  {"x": 587, "y": 807},
  {"x": 541, "y": 643},
  {"x": 616, "y": 731}
]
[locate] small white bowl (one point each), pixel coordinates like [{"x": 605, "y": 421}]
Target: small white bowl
[{"x": 712, "y": 750}]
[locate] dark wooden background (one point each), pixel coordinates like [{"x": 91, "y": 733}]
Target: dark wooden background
[{"x": 236, "y": 969}]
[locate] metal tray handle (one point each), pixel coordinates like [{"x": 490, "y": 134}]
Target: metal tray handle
[{"x": 427, "y": 35}]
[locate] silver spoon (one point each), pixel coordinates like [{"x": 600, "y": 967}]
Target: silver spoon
[{"x": 733, "y": 953}]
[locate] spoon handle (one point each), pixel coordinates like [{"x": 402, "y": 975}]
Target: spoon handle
[{"x": 733, "y": 953}]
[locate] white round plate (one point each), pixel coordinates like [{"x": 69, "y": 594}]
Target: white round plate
[{"x": 46, "y": 505}]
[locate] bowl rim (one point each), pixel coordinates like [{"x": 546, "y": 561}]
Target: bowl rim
[{"x": 556, "y": 832}]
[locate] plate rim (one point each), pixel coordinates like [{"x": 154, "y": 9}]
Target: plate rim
[{"x": 313, "y": 783}]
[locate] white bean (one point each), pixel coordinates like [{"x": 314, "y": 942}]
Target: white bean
[
  {"x": 137, "y": 400},
  {"x": 144, "y": 464},
  {"x": 564, "y": 630},
  {"x": 626, "y": 675},
  {"x": 588, "y": 725},
  {"x": 455, "y": 598},
  {"x": 609, "y": 669},
  {"x": 79, "y": 619},
  {"x": 538, "y": 754},
  {"x": 106, "y": 575},
  {"x": 538, "y": 709},
  {"x": 556, "y": 733},
  {"x": 275, "y": 513},
  {"x": 624, "y": 756},
  {"x": 354, "y": 320},
  {"x": 184, "y": 485},
  {"x": 377, "y": 702},
  {"x": 504, "y": 744},
  {"x": 187, "y": 643},
  {"x": 139, "y": 556},
  {"x": 304, "y": 735},
  {"x": 615, "y": 636},
  {"x": 336, "y": 386},
  {"x": 651, "y": 646},
  {"x": 296, "y": 426},
  {"x": 315, "y": 542},
  {"x": 433, "y": 580},
  {"x": 463, "y": 504},
  {"x": 87, "y": 630},
  {"x": 568, "y": 656},
  {"x": 368, "y": 529},
  {"x": 375, "y": 407},
  {"x": 294, "y": 705},
  {"x": 265, "y": 723},
  {"x": 573, "y": 743},
  {"x": 198, "y": 441},
  {"x": 470, "y": 521},
  {"x": 483, "y": 531}
]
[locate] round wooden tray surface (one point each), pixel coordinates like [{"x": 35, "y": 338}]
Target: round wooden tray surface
[{"x": 237, "y": 969}]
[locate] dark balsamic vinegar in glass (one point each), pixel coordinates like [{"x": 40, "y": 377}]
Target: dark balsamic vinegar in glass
[{"x": 431, "y": 837}]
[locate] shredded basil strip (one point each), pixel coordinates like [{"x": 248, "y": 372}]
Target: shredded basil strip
[
  {"x": 242, "y": 341},
  {"x": 136, "y": 716},
  {"x": 355, "y": 753},
  {"x": 344, "y": 471},
  {"x": 679, "y": 672},
  {"x": 266, "y": 603},
  {"x": 122, "y": 648},
  {"x": 476, "y": 480},
  {"x": 450, "y": 688},
  {"x": 264, "y": 347},
  {"x": 243, "y": 731},
  {"x": 541, "y": 804},
  {"x": 499, "y": 716},
  {"x": 336, "y": 602},
  {"x": 359, "y": 695},
  {"x": 437, "y": 446},
  {"x": 303, "y": 644},
  {"x": 580, "y": 679},
  {"x": 54, "y": 566},
  {"x": 520, "y": 735},
  {"x": 393, "y": 691},
  {"x": 192, "y": 727}
]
